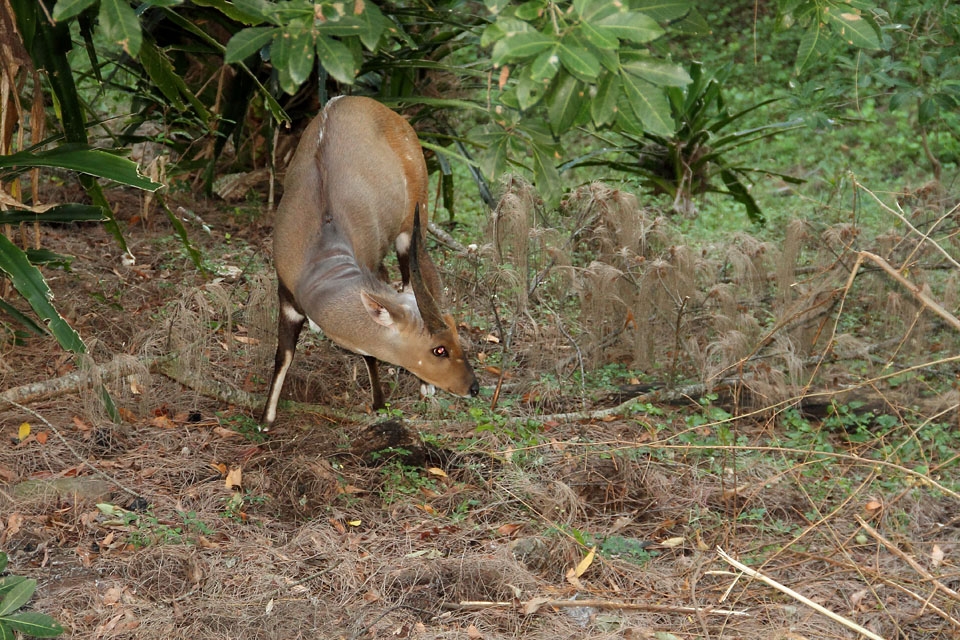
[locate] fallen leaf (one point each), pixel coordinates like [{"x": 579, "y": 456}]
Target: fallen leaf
[
  {"x": 7, "y": 474},
  {"x": 509, "y": 529},
  {"x": 584, "y": 564},
  {"x": 24, "y": 431},
  {"x": 354, "y": 523},
  {"x": 223, "y": 432},
  {"x": 112, "y": 596},
  {"x": 472, "y": 632},
  {"x": 672, "y": 542},
  {"x": 246, "y": 340},
  {"x": 937, "y": 556},
  {"x": 873, "y": 506},
  {"x": 269, "y": 607},
  {"x": 14, "y": 522},
  {"x": 42, "y": 437},
  {"x": 163, "y": 422},
  {"x": 492, "y": 339},
  {"x": 220, "y": 467},
  {"x": 533, "y": 605},
  {"x": 127, "y": 415},
  {"x": 234, "y": 478},
  {"x": 436, "y": 472},
  {"x": 80, "y": 424}
]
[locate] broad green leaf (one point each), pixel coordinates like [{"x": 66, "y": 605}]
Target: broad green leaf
[
  {"x": 119, "y": 24},
  {"x": 261, "y": 9},
  {"x": 373, "y": 24},
  {"x": 19, "y": 594},
  {"x": 163, "y": 3},
  {"x": 231, "y": 10},
  {"x": 603, "y": 105},
  {"x": 28, "y": 280},
  {"x": 808, "y": 46},
  {"x": 628, "y": 25},
  {"x": 664, "y": 10},
  {"x": 742, "y": 195},
  {"x": 545, "y": 66},
  {"x": 161, "y": 72},
  {"x": 649, "y": 104},
  {"x": 529, "y": 90},
  {"x": 300, "y": 63},
  {"x": 59, "y": 213},
  {"x": 66, "y": 9},
  {"x": 30, "y": 325},
  {"x": 854, "y": 29},
  {"x": 9, "y": 582},
  {"x": 530, "y": 10},
  {"x": 496, "y": 144},
  {"x": 545, "y": 174},
  {"x": 94, "y": 162},
  {"x": 594, "y": 10},
  {"x": 247, "y": 42},
  {"x": 521, "y": 45},
  {"x": 564, "y": 103},
  {"x": 337, "y": 59},
  {"x": 579, "y": 61},
  {"x": 6, "y": 633},
  {"x": 599, "y": 37},
  {"x": 659, "y": 72},
  {"x": 34, "y": 624},
  {"x": 495, "y": 6}
]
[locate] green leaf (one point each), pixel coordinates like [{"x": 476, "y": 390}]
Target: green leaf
[
  {"x": 3, "y": 562},
  {"x": 161, "y": 72},
  {"x": 59, "y": 213},
  {"x": 629, "y": 25},
  {"x": 665, "y": 10},
  {"x": 181, "y": 232},
  {"x": 261, "y": 9},
  {"x": 521, "y": 45},
  {"x": 545, "y": 66},
  {"x": 247, "y": 42},
  {"x": 599, "y": 37},
  {"x": 6, "y": 633},
  {"x": 372, "y": 24},
  {"x": 649, "y": 104},
  {"x": 119, "y": 24},
  {"x": 808, "y": 46},
  {"x": 545, "y": 174},
  {"x": 603, "y": 105},
  {"x": 659, "y": 72},
  {"x": 18, "y": 595},
  {"x": 564, "y": 103},
  {"x": 301, "y": 59},
  {"x": 28, "y": 280},
  {"x": 337, "y": 59},
  {"x": 579, "y": 61},
  {"x": 30, "y": 325},
  {"x": 530, "y": 10},
  {"x": 854, "y": 28},
  {"x": 9, "y": 582},
  {"x": 742, "y": 195},
  {"x": 35, "y": 624},
  {"x": 66, "y": 9},
  {"x": 82, "y": 158}
]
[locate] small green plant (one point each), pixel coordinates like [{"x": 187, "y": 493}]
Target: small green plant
[
  {"x": 147, "y": 529},
  {"x": 246, "y": 426},
  {"x": 15, "y": 591},
  {"x": 402, "y": 480}
]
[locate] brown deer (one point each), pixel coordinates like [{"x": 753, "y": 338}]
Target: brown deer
[{"x": 357, "y": 184}]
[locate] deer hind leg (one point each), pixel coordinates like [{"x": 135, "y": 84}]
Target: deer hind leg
[
  {"x": 289, "y": 324},
  {"x": 375, "y": 388}
]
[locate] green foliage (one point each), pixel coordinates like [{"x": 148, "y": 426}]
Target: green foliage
[
  {"x": 146, "y": 529},
  {"x": 15, "y": 591},
  {"x": 697, "y": 155},
  {"x": 851, "y": 21}
]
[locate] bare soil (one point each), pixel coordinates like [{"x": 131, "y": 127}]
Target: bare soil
[{"x": 431, "y": 521}]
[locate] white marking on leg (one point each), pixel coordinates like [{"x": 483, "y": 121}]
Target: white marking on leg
[
  {"x": 274, "y": 398},
  {"x": 402, "y": 243},
  {"x": 291, "y": 314}
]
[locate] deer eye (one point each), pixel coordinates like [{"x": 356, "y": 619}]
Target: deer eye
[{"x": 441, "y": 352}]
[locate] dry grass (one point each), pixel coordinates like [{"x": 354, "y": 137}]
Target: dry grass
[{"x": 328, "y": 539}]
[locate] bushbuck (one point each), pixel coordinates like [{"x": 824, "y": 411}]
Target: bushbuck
[{"x": 357, "y": 184}]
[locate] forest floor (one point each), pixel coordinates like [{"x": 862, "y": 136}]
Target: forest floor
[{"x": 585, "y": 516}]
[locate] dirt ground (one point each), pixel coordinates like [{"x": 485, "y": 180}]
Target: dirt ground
[{"x": 430, "y": 522}]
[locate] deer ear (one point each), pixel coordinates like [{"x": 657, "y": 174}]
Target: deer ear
[{"x": 382, "y": 312}]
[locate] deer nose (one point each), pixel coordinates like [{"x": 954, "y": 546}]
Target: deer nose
[{"x": 475, "y": 388}]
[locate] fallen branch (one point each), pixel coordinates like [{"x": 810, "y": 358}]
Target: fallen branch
[
  {"x": 836, "y": 617},
  {"x": 917, "y": 292},
  {"x": 75, "y": 381},
  {"x": 892, "y": 548},
  {"x": 535, "y": 604}
]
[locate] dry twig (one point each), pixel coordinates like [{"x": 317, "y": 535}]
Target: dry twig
[
  {"x": 535, "y": 604},
  {"x": 850, "y": 624}
]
